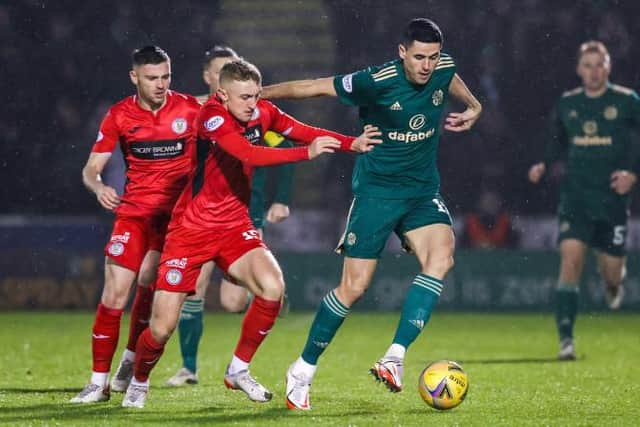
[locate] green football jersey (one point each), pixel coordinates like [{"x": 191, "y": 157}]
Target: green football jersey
[
  {"x": 284, "y": 181},
  {"x": 596, "y": 136},
  {"x": 409, "y": 116}
]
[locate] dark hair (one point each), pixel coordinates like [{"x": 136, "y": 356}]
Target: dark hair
[
  {"x": 218, "y": 51},
  {"x": 423, "y": 30},
  {"x": 240, "y": 70},
  {"x": 149, "y": 55}
]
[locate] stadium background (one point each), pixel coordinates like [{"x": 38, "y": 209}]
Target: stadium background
[{"x": 65, "y": 62}]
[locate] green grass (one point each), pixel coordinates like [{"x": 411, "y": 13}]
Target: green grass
[{"x": 514, "y": 379}]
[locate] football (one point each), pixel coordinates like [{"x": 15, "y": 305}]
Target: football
[{"x": 443, "y": 384}]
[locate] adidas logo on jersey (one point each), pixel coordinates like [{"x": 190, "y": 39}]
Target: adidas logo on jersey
[
  {"x": 396, "y": 106},
  {"x": 417, "y": 323}
]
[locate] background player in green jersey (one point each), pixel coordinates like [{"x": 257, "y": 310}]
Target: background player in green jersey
[
  {"x": 233, "y": 298},
  {"x": 396, "y": 189},
  {"x": 591, "y": 130}
]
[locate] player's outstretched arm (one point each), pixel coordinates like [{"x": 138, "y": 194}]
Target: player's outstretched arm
[
  {"x": 106, "y": 195},
  {"x": 459, "y": 122},
  {"x": 253, "y": 155},
  {"x": 299, "y": 89},
  {"x": 305, "y": 134}
]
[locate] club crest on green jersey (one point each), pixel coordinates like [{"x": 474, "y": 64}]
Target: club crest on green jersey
[
  {"x": 437, "y": 97},
  {"x": 611, "y": 112}
]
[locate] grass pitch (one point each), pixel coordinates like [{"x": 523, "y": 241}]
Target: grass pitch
[{"x": 510, "y": 359}]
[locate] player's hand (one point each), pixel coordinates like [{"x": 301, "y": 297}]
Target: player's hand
[
  {"x": 107, "y": 197},
  {"x": 277, "y": 212},
  {"x": 323, "y": 144},
  {"x": 622, "y": 181},
  {"x": 536, "y": 171},
  {"x": 366, "y": 141},
  {"x": 460, "y": 122}
]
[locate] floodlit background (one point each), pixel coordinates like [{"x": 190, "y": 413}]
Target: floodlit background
[{"x": 65, "y": 62}]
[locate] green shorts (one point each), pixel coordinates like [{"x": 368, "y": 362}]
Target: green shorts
[
  {"x": 371, "y": 221},
  {"x": 608, "y": 235}
]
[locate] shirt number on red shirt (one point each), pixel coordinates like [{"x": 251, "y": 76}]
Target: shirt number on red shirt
[{"x": 251, "y": 234}]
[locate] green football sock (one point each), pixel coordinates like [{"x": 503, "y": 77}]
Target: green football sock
[
  {"x": 566, "y": 309},
  {"x": 328, "y": 319},
  {"x": 416, "y": 311},
  {"x": 190, "y": 331}
]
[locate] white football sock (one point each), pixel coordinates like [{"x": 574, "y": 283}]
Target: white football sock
[
  {"x": 304, "y": 368},
  {"x": 100, "y": 378},
  {"x": 237, "y": 365},
  {"x": 396, "y": 350},
  {"x": 134, "y": 381}
]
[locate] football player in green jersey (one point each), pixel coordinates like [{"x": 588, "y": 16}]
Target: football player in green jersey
[
  {"x": 396, "y": 189},
  {"x": 233, "y": 298},
  {"x": 591, "y": 131}
]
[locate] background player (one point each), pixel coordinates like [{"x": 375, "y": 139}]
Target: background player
[
  {"x": 591, "y": 131},
  {"x": 396, "y": 188},
  {"x": 233, "y": 298},
  {"x": 211, "y": 222},
  {"x": 154, "y": 128}
]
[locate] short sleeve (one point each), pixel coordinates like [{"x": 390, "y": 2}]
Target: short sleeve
[
  {"x": 108, "y": 135},
  {"x": 356, "y": 88}
]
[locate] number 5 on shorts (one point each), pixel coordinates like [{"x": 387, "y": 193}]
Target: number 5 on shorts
[{"x": 618, "y": 234}]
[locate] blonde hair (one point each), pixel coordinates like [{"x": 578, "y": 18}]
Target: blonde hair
[
  {"x": 240, "y": 70},
  {"x": 594, "y": 46}
]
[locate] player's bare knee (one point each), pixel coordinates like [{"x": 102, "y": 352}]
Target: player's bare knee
[
  {"x": 351, "y": 289},
  {"x": 439, "y": 266},
  {"x": 234, "y": 303},
  {"x": 115, "y": 297},
  {"x": 271, "y": 286},
  {"x": 571, "y": 267},
  {"x": 161, "y": 329},
  {"x": 201, "y": 288}
]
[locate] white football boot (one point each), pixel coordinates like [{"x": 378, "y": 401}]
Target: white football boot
[
  {"x": 297, "y": 390},
  {"x": 567, "y": 350},
  {"x": 92, "y": 393},
  {"x": 122, "y": 378},
  {"x": 389, "y": 370},
  {"x": 245, "y": 382},
  {"x": 183, "y": 377},
  {"x": 136, "y": 396},
  {"x": 614, "y": 296}
]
